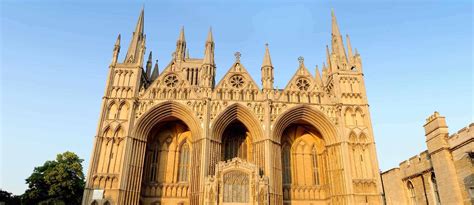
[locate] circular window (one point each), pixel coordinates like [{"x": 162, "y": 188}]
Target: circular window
[
  {"x": 171, "y": 81},
  {"x": 302, "y": 84},
  {"x": 237, "y": 81}
]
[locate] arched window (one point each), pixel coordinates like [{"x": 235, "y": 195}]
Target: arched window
[
  {"x": 314, "y": 156},
  {"x": 183, "y": 170},
  {"x": 434, "y": 187},
  {"x": 349, "y": 119},
  {"x": 112, "y": 113},
  {"x": 286, "y": 153},
  {"x": 359, "y": 118},
  {"x": 123, "y": 111},
  {"x": 412, "y": 193}
]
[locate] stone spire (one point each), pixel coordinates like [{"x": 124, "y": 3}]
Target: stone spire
[
  {"x": 267, "y": 61},
  {"x": 181, "y": 46},
  {"x": 116, "y": 50},
  {"x": 148, "y": 66},
  {"x": 336, "y": 41},
  {"x": 209, "y": 51},
  {"x": 267, "y": 71},
  {"x": 155, "y": 72},
  {"x": 136, "y": 43}
]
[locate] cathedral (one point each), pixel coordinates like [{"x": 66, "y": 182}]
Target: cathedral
[{"x": 180, "y": 137}]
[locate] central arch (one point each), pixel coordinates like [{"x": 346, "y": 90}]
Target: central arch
[
  {"x": 236, "y": 112},
  {"x": 237, "y": 116}
]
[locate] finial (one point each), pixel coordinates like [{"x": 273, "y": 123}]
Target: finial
[
  {"x": 301, "y": 60},
  {"x": 237, "y": 56},
  {"x": 266, "y": 45}
]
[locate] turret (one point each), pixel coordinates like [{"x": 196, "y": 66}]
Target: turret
[
  {"x": 267, "y": 71},
  {"x": 208, "y": 69},
  {"x": 436, "y": 132},
  {"x": 180, "y": 52}
]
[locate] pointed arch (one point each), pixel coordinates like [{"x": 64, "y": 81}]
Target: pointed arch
[
  {"x": 359, "y": 117},
  {"x": 165, "y": 111},
  {"x": 112, "y": 110},
  {"x": 123, "y": 110},
  {"x": 306, "y": 114},
  {"x": 352, "y": 137},
  {"x": 348, "y": 116},
  {"x": 240, "y": 113}
]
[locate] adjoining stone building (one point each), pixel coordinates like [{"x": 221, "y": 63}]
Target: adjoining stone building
[
  {"x": 443, "y": 174},
  {"x": 178, "y": 137}
]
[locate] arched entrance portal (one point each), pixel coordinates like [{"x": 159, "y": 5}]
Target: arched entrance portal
[
  {"x": 308, "y": 164},
  {"x": 167, "y": 164},
  {"x": 236, "y": 142},
  {"x": 162, "y": 138}
]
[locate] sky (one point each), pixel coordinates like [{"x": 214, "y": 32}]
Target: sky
[{"x": 417, "y": 58}]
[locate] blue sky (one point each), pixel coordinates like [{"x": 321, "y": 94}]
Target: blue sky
[{"x": 417, "y": 58}]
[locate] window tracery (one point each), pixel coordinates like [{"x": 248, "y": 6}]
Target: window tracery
[
  {"x": 302, "y": 84},
  {"x": 236, "y": 187},
  {"x": 183, "y": 163},
  {"x": 237, "y": 81},
  {"x": 171, "y": 81}
]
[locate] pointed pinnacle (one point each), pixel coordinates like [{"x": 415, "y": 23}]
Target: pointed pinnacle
[
  {"x": 117, "y": 42},
  {"x": 181, "y": 35},
  {"x": 155, "y": 72},
  {"x": 209, "y": 36},
  {"x": 318, "y": 75},
  {"x": 150, "y": 56},
  {"x": 140, "y": 23},
  {"x": 349, "y": 46},
  {"x": 335, "y": 27},
  {"x": 267, "y": 61}
]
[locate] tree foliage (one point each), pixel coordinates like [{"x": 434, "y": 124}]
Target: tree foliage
[
  {"x": 9, "y": 198},
  {"x": 60, "y": 180}
]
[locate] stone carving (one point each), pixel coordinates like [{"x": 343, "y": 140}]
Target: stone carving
[{"x": 236, "y": 181}]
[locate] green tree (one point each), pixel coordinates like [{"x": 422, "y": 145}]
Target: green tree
[
  {"x": 8, "y": 198},
  {"x": 56, "y": 182}
]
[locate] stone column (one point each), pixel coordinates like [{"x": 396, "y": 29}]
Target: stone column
[{"x": 436, "y": 132}]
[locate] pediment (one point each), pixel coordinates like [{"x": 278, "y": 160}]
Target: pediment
[
  {"x": 302, "y": 81},
  {"x": 237, "y": 78},
  {"x": 169, "y": 79}
]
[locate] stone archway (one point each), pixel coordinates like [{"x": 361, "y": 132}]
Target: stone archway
[
  {"x": 236, "y": 116},
  {"x": 166, "y": 114},
  {"x": 315, "y": 130}
]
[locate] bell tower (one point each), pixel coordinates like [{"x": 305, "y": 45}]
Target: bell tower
[
  {"x": 344, "y": 81},
  {"x": 109, "y": 166}
]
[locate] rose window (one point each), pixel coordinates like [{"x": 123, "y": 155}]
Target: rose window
[
  {"x": 171, "y": 81},
  {"x": 302, "y": 84},
  {"x": 237, "y": 81}
]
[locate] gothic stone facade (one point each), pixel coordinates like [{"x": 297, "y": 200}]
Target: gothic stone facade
[
  {"x": 177, "y": 137},
  {"x": 443, "y": 174}
]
